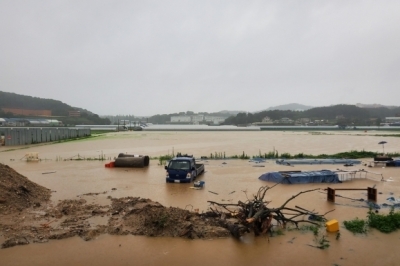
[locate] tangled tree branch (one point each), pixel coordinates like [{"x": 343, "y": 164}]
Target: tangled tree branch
[{"x": 254, "y": 215}]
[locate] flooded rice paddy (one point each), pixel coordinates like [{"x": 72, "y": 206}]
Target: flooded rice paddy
[{"x": 225, "y": 181}]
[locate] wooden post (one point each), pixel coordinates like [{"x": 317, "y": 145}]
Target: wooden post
[
  {"x": 372, "y": 194},
  {"x": 331, "y": 195}
]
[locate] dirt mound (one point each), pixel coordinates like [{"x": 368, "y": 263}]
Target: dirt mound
[
  {"x": 139, "y": 216},
  {"x": 130, "y": 215},
  {"x": 17, "y": 192},
  {"x": 27, "y": 216}
]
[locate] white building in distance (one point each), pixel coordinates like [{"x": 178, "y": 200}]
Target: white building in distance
[
  {"x": 393, "y": 119},
  {"x": 197, "y": 119},
  {"x": 181, "y": 119},
  {"x": 214, "y": 119}
]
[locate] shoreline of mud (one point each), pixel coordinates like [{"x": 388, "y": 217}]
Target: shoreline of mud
[{"x": 129, "y": 215}]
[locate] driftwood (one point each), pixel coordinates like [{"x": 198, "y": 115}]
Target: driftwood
[{"x": 255, "y": 215}]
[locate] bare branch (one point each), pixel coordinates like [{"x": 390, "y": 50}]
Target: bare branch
[{"x": 256, "y": 216}]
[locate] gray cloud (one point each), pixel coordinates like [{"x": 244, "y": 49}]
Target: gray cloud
[{"x": 149, "y": 57}]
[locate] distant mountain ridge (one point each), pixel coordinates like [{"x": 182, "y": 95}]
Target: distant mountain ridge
[
  {"x": 375, "y": 105},
  {"x": 343, "y": 114},
  {"x": 362, "y": 112},
  {"x": 58, "y": 109},
  {"x": 230, "y": 112},
  {"x": 291, "y": 107}
]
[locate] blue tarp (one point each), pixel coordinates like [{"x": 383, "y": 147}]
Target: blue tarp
[
  {"x": 317, "y": 161},
  {"x": 395, "y": 163},
  {"x": 323, "y": 176}
]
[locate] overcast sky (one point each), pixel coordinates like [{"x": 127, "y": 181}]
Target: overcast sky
[{"x": 157, "y": 57}]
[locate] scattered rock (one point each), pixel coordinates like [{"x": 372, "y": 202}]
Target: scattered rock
[{"x": 15, "y": 242}]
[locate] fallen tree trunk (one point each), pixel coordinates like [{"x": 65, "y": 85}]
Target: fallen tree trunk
[{"x": 255, "y": 215}]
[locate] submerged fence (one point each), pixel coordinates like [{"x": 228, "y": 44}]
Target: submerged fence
[{"x": 24, "y": 136}]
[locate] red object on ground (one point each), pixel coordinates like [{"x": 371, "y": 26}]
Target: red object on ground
[{"x": 109, "y": 165}]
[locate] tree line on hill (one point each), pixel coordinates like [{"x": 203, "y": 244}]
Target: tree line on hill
[
  {"x": 338, "y": 114},
  {"x": 59, "y": 110}
]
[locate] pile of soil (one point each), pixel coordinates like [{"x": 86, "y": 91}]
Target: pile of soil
[
  {"x": 140, "y": 216},
  {"x": 129, "y": 215},
  {"x": 17, "y": 192},
  {"x": 27, "y": 216}
]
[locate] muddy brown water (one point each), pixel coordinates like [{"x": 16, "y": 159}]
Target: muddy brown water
[{"x": 232, "y": 180}]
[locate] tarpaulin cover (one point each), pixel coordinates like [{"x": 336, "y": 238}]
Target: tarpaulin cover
[
  {"x": 395, "y": 163},
  {"x": 317, "y": 161},
  {"x": 323, "y": 176}
]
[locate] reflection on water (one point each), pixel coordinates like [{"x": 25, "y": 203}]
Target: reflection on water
[{"x": 229, "y": 180}]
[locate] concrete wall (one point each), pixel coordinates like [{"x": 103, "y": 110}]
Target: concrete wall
[{"x": 24, "y": 136}]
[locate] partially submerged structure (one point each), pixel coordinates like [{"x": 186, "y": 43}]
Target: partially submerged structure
[
  {"x": 383, "y": 160},
  {"x": 130, "y": 160},
  {"x": 298, "y": 177},
  {"x": 32, "y": 157},
  {"x": 318, "y": 161},
  {"x": 395, "y": 163},
  {"x": 321, "y": 176}
]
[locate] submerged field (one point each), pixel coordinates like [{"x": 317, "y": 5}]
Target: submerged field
[{"x": 225, "y": 181}]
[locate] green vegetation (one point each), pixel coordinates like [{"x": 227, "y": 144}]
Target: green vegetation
[
  {"x": 13, "y": 100},
  {"x": 242, "y": 156},
  {"x": 357, "y": 226},
  {"x": 388, "y": 135},
  {"x": 163, "y": 159},
  {"x": 74, "y": 139},
  {"x": 335, "y": 115},
  {"x": 59, "y": 110},
  {"x": 275, "y": 155},
  {"x": 385, "y": 223},
  {"x": 100, "y": 157},
  {"x": 320, "y": 238},
  {"x": 278, "y": 232},
  {"x": 217, "y": 155},
  {"x": 22, "y": 148},
  {"x": 84, "y": 119},
  {"x": 222, "y": 155},
  {"x": 321, "y": 241},
  {"x": 100, "y": 132},
  {"x": 309, "y": 227}
]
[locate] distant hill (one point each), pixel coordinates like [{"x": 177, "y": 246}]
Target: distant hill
[
  {"x": 226, "y": 112},
  {"x": 336, "y": 114},
  {"x": 17, "y": 101},
  {"x": 58, "y": 109},
  {"x": 375, "y": 105},
  {"x": 290, "y": 106}
]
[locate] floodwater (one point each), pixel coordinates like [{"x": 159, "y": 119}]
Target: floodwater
[{"x": 231, "y": 180}]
